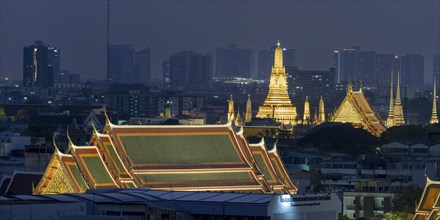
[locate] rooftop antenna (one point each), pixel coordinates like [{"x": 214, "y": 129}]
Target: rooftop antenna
[{"x": 108, "y": 41}]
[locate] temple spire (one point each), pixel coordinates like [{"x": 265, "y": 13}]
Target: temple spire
[
  {"x": 278, "y": 104},
  {"x": 321, "y": 113},
  {"x": 231, "y": 109},
  {"x": 237, "y": 117},
  {"x": 434, "y": 118},
  {"x": 398, "y": 109},
  {"x": 306, "y": 117},
  {"x": 278, "y": 58},
  {"x": 390, "y": 119},
  {"x": 248, "y": 117}
]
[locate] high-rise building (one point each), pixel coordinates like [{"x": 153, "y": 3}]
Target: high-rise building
[
  {"x": 142, "y": 60},
  {"x": 41, "y": 63},
  {"x": 436, "y": 66},
  {"x": 187, "y": 70},
  {"x": 121, "y": 64},
  {"x": 412, "y": 71},
  {"x": 127, "y": 66},
  {"x": 233, "y": 62},
  {"x": 265, "y": 61},
  {"x": 310, "y": 83},
  {"x": 371, "y": 68}
]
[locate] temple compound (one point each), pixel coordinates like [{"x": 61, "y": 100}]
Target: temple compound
[
  {"x": 277, "y": 104},
  {"x": 181, "y": 158},
  {"x": 429, "y": 203},
  {"x": 356, "y": 109}
]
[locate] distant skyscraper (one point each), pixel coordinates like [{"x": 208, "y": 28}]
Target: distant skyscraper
[
  {"x": 311, "y": 83},
  {"x": 436, "y": 66},
  {"x": 265, "y": 61},
  {"x": 233, "y": 62},
  {"x": 122, "y": 69},
  {"x": 367, "y": 66},
  {"x": 142, "y": 60},
  {"x": 187, "y": 70},
  {"x": 41, "y": 63},
  {"x": 126, "y": 66},
  {"x": 412, "y": 71}
]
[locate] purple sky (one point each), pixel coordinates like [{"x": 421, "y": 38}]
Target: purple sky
[{"x": 314, "y": 28}]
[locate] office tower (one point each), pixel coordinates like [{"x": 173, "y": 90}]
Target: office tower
[
  {"x": 41, "y": 63},
  {"x": 142, "y": 60},
  {"x": 371, "y": 68},
  {"x": 436, "y": 66},
  {"x": 383, "y": 66},
  {"x": 311, "y": 83},
  {"x": 187, "y": 70},
  {"x": 233, "y": 62},
  {"x": 166, "y": 75},
  {"x": 265, "y": 61},
  {"x": 412, "y": 71},
  {"x": 122, "y": 69}
]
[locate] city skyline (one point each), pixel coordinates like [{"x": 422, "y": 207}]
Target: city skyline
[{"x": 396, "y": 27}]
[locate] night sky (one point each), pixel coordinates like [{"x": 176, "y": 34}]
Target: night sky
[{"x": 314, "y": 28}]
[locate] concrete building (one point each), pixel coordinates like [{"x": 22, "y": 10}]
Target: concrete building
[
  {"x": 41, "y": 64},
  {"x": 187, "y": 70},
  {"x": 232, "y": 61},
  {"x": 370, "y": 198}
]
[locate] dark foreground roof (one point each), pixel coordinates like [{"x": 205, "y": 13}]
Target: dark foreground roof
[{"x": 183, "y": 201}]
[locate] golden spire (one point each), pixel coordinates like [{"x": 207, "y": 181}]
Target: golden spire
[
  {"x": 278, "y": 60},
  {"x": 390, "y": 119},
  {"x": 398, "y": 109},
  {"x": 237, "y": 117},
  {"x": 306, "y": 117},
  {"x": 321, "y": 113},
  {"x": 277, "y": 104},
  {"x": 231, "y": 109},
  {"x": 248, "y": 109},
  {"x": 349, "y": 86},
  {"x": 434, "y": 118}
]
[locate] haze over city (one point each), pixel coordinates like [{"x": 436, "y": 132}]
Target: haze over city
[{"x": 315, "y": 29}]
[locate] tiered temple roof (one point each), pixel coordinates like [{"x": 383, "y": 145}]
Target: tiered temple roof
[
  {"x": 429, "y": 204},
  {"x": 188, "y": 158},
  {"x": 356, "y": 109}
]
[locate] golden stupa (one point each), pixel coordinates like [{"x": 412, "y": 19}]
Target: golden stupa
[{"x": 277, "y": 104}]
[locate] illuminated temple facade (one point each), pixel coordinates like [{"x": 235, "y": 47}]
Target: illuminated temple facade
[
  {"x": 175, "y": 157},
  {"x": 356, "y": 109},
  {"x": 277, "y": 104}
]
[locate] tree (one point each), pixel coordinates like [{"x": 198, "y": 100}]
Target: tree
[
  {"x": 23, "y": 115},
  {"x": 405, "y": 201},
  {"x": 404, "y": 133},
  {"x": 342, "y": 138},
  {"x": 398, "y": 216}
]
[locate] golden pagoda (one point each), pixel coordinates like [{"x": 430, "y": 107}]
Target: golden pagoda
[
  {"x": 321, "y": 112},
  {"x": 171, "y": 157},
  {"x": 398, "y": 108},
  {"x": 230, "y": 109},
  {"x": 390, "y": 119},
  {"x": 356, "y": 109},
  {"x": 248, "y": 117},
  {"x": 238, "y": 120},
  {"x": 306, "y": 116},
  {"x": 277, "y": 104},
  {"x": 434, "y": 118}
]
